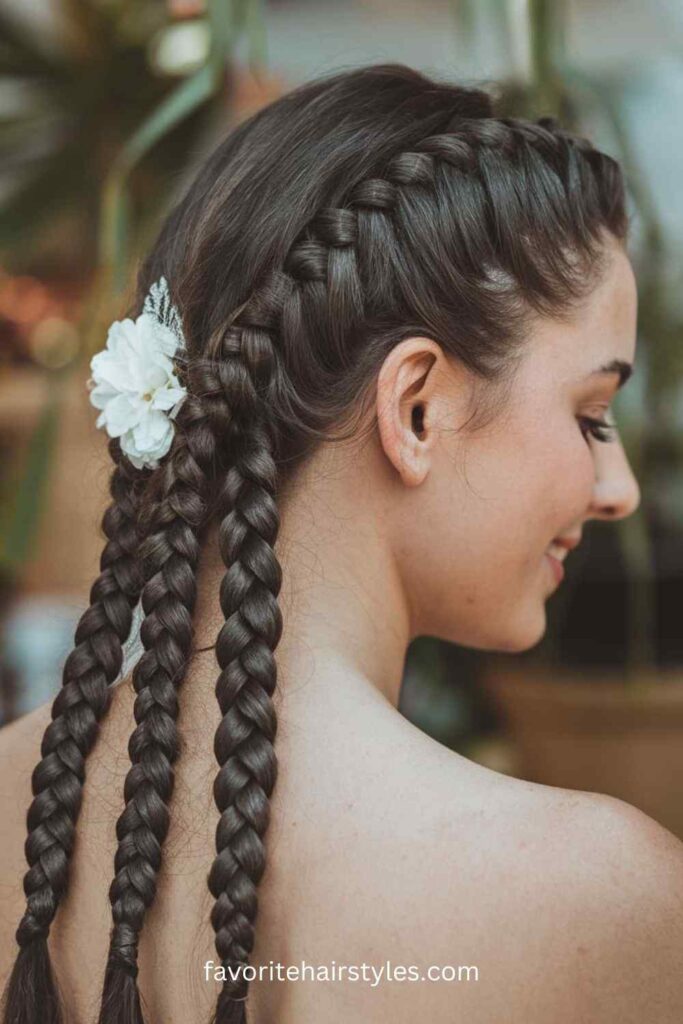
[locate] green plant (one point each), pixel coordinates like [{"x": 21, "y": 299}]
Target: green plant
[{"x": 119, "y": 123}]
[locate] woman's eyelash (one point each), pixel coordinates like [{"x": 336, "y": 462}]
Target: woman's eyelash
[{"x": 599, "y": 429}]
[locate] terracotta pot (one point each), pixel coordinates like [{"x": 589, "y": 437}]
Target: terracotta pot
[{"x": 597, "y": 734}]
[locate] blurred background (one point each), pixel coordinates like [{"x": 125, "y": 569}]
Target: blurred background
[{"x": 106, "y": 106}]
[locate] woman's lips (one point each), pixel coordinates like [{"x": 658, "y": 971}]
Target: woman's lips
[{"x": 556, "y": 566}]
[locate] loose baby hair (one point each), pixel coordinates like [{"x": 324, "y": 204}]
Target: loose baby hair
[{"x": 357, "y": 210}]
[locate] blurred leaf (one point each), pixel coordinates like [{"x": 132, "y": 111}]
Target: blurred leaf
[
  {"x": 21, "y": 53},
  {"x": 88, "y": 23},
  {"x": 175, "y": 108},
  {"x": 547, "y": 34},
  {"x": 114, "y": 234},
  {"x": 103, "y": 88},
  {"x": 53, "y": 182}
]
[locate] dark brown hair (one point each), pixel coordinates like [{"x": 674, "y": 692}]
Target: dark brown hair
[{"x": 357, "y": 210}]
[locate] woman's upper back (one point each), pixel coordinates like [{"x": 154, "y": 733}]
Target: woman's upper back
[{"x": 565, "y": 903}]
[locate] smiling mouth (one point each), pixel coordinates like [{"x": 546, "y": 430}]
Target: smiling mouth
[
  {"x": 561, "y": 546},
  {"x": 556, "y": 566}
]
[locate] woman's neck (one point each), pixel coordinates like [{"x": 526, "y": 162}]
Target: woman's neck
[{"x": 344, "y": 607}]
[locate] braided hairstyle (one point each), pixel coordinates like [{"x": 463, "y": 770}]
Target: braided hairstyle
[
  {"x": 58, "y": 778},
  {"x": 173, "y": 517},
  {"x": 353, "y": 212}
]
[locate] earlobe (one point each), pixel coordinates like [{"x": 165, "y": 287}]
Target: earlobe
[{"x": 415, "y": 463}]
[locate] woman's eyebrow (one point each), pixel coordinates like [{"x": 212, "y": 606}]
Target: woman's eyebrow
[{"x": 619, "y": 366}]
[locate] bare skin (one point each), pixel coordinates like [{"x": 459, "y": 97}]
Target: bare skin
[{"x": 383, "y": 844}]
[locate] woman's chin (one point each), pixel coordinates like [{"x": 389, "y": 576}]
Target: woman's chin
[
  {"x": 517, "y": 639},
  {"x": 526, "y": 635}
]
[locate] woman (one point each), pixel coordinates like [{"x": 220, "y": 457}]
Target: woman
[{"x": 402, "y": 322}]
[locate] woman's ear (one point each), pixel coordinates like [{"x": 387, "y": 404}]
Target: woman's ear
[{"x": 408, "y": 397}]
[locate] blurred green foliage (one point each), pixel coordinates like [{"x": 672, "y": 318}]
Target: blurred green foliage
[{"x": 103, "y": 112}]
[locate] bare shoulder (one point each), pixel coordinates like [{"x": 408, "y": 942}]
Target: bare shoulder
[
  {"x": 636, "y": 846},
  {"x": 627, "y": 864},
  {"x": 629, "y": 872},
  {"x": 588, "y": 911}
]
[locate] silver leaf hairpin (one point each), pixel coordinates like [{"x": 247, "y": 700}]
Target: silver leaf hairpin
[{"x": 158, "y": 304}]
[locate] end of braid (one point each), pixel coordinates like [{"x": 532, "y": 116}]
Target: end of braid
[
  {"x": 32, "y": 928},
  {"x": 121, "y": 1003},
  {"x": 123, "y": 951},
  {"x": 231, "y": 1008},
  {"x": 31, "y": 995}
]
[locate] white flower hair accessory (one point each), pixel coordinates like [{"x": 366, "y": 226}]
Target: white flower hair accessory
[{"x": 134, "y": 382}]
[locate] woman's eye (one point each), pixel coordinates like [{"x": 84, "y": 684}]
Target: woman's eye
[{"x": 601, "y": 430}]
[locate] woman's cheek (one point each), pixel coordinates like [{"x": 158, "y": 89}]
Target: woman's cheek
[{"x": 576, "y": 474}]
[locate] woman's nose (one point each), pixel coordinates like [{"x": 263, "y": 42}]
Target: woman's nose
[{"x": 616, "y": 493}]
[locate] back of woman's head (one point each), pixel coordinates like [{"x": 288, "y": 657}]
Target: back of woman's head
[{"x": 355, "y": 211}]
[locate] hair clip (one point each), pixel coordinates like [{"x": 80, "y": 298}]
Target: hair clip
[{"x": 133, "y": 380}]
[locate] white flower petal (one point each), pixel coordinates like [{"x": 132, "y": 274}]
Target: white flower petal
[
  {"x": 101, "y": 395},
  {"x": 166, "y": 398},
  {"x": 121, "y": 339},
  {"x": 106, "y": 369},
  {"x": 152, "y": 432},
  {"x": 123, "y": 413},
  {"x": 139, "y": 461},
  {"x": 156, "y": 374}
]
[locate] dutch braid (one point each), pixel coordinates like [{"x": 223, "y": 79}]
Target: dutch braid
[
  {"x": 476, "y": 151},
  {"x": 170, "y": 555},
  {"x": 89, "y": 670}
]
